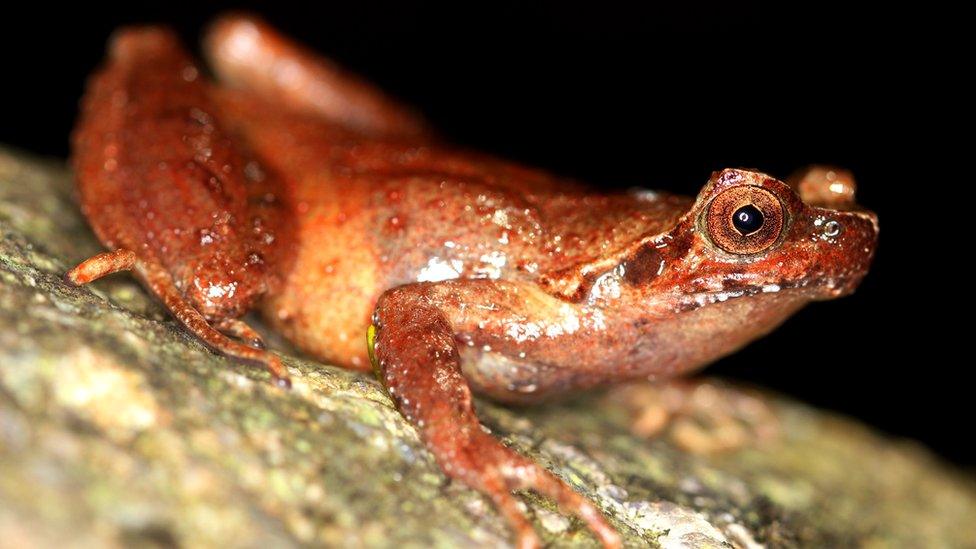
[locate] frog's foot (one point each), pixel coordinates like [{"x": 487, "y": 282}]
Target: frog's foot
[
  {"x": 162, "y": 285},
  {"x": 413, "y": 348},
  {"x": 480, "y": 461},
  {"x": 825, "y": 186},
  {"x": 700, "y": 416}
]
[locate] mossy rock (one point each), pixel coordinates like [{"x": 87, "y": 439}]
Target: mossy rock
[{"x": 119, "y": 429}]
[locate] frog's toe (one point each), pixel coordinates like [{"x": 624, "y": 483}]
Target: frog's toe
[
  {"x": 100, "y": 265},
  {"x": 499, "y": 470},
  {"x": 239, "y": 329}
]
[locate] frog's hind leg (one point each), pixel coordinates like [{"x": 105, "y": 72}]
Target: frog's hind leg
[
  {"x": 162, "y": 285},
  {"x": 246, "y": 52},
  {"x": 413, "y": 348}
]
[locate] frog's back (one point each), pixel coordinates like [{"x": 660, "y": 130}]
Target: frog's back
[{"x": 375, "y": 213}]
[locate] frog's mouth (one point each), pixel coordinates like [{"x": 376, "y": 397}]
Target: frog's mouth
[
  {"x": 697, "y": 300},
  {"x": 816, "y": 289}
]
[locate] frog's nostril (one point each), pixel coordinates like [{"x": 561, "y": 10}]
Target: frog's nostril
[{"x": 832, "y": 228}]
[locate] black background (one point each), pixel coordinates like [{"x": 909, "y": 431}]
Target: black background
[{"x": 622, "y": 96}]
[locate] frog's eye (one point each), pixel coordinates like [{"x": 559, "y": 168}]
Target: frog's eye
[{"x": 745, "y": 219}]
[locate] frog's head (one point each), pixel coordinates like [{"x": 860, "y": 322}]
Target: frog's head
[
  {"x": 749, "y": 253},
  {"x": 749, "y": 234}
]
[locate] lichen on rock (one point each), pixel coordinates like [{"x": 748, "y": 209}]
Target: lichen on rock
[{"x": 119, "y": 429}]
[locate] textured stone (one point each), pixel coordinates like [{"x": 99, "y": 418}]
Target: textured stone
[{"x": 118, "y": 429}]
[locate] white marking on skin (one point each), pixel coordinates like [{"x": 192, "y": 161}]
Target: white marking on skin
[
  {"x": 500, "y": 218},
  {"x": 217, "y": 291},
  {"x": 709, "y": 298},
  {"x": 438, "y": 270},
  {"x": 607, "y": 286},
  {"x": 494, "y": 262},
  {"x": 523, "y": 332},
  {"x": 569, "y": 323},
  {"x": 769, "y": 288},
  {"x": 598, "y": 320}
]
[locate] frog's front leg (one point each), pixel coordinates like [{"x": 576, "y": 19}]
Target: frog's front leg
[{"x": 413, "y": 346}]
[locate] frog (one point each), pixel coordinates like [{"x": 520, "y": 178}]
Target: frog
[{"x": 288, "y": 186}]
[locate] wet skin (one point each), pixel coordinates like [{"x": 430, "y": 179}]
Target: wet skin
[{"x": 294, "y": 188}]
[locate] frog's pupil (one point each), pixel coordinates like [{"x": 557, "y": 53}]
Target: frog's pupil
[{"x": 747, "y": 219}]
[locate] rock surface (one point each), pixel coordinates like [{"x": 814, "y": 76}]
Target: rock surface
[{"x": 118, "y": 429}]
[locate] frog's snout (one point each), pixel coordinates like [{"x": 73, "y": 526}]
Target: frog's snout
[
  {"x": 849, "y": 241},
  {"x": 843, "y": 234}
]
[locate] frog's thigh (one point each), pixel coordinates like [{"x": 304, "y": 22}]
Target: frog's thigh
[
  {"x": 414, "y": 350},
  {"x": 699, "y": 415}
]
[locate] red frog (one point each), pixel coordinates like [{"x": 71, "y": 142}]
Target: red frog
[{"x": 295, "y": 188}]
